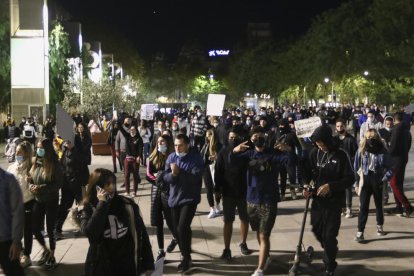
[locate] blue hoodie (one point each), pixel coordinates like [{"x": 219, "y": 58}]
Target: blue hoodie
[
  {"x": 263, "y": 188},
  {"x": 185, "y": 188}
]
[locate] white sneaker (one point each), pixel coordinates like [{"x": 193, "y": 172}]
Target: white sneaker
[
  {"x": 380, "y": 230},
  {"x": 212, "y": 213},
  {"x": 25, "y": 261},
  {"x": 258, "y": 273},
  {"x": 132, "y": 195},
  {"x": 348, "y": 213},
  {"x": 126, "y": 194},
  {"x": 219, "y": 209}
]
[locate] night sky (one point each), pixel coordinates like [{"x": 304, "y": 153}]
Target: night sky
[{"x": 164, "y": 25}]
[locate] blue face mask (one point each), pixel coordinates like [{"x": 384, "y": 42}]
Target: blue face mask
[
  {"x": 19, "y": 159},
  {"x": 40, "y": 152}
]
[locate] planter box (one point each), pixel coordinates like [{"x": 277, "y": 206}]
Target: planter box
[{"x": 99, "y": 143}]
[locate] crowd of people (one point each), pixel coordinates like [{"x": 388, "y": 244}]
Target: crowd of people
[{"x": 244, "y": 158}]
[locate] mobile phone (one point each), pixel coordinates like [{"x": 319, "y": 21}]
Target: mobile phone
[{"x": 98, "y": 189}]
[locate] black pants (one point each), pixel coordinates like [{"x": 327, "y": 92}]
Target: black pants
[
  {"x": 326, "y": 221},
  {"x": 182, "y": 217},
  {"x": 372, "y": 186},
  {"x": 28, "y": 231},
  {"x": 348, "y": 197},
  {"x": 209, "y": 184},
  {"x": 10, "y": 268},
  {"x": 199, "y": 142},
  {"x": 40, "y": 209},
  {"x": 166, "y": 210},
  {"x": 66, "y": 202},
  {"x": 284, "y": 172}
]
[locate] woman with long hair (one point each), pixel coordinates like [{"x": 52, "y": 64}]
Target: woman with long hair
[
  {"x": 118, "y": 240},
  {"x": 373, "y": 164},
  {"x": 160, "y": 192},
  {"x": 83, "y": 142},
  {"x": 45, "y": 178},
  {"x": 209, "y": 153},
  {"x": 20, "y": 170}
]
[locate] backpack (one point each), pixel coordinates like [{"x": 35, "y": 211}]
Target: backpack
[{"x": 10, "y": 149}]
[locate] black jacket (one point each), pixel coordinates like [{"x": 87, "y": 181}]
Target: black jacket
[
  {"x": 400, "y": 141},
  {"x": 349, "y": 145},
  {"x": 132, "y": 254},
  {"x": 76, "y": 172},
  {"x": 84, "y": 146},
  {"x": 230, "y": 180}
]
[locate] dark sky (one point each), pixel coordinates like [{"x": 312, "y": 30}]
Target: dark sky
[{"x": 164, "y": 25}]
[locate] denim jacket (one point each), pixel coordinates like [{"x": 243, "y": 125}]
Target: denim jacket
[{"x": 382, "y": 165}]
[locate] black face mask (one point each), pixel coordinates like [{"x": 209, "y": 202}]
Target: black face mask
[
  {"x": 127, "y": 125},
  {"x": 374, "y": 146},
  {"x": 259, "y": 142},
  {"x": 235, "y": 142}
]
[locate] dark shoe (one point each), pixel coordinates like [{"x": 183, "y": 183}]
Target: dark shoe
[
  {"x": 394, "y": 211},
  {"x": 184, "y": 266},
  {"x": 115, "y": 170},
  {"x": 244, "y": 249},
  {"x": 409, "y": 213},
  {"x": 51, "y": 263},
  {"x": 359, "y": 237},
  {"x": 226, "y": 255},
  {"x": 44, "y": 258},
  {"x": 172, "y": 246},
  {"x": 161, "y": 254},
  {"x": 59, "y": 236}
]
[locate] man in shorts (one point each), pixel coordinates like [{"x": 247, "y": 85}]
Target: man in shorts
[
  {"x": 262, "y": 187},
  {"x": 230, "y": 184}
]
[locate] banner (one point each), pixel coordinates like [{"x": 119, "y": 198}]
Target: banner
[
  {"x": 64, "y": 125},
  {"x": 147, "y": 111},
  {"x": 215, "y": 104},
  {"x": 305, "y": 128}
]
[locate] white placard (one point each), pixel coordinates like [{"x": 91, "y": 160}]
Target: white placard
[
  {"x": 64, "y": 125},
  {"x": 215, "y": 104},
  {"x": 305, "y": 128},
  {"x": 147, "y": 111}
]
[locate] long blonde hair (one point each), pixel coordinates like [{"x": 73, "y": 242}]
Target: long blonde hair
[
  {"x": 212, "y": 146},
  {"x": 369, "y": 134},
  {"x": 27, "y": 151},
  {"x": 157, "y": 158}
]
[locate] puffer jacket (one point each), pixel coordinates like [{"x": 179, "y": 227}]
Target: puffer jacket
[{"x": 20, "y": 172}]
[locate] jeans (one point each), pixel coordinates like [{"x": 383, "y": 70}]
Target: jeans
[
  {"x": 372, "y": 186},
  {"x": 10, "y": 268},
  {"x": 28, "y": 231},
  {"x": 397, "y": 183},
  {"x": 40, "y": 209},
  {"x": 182, "y": 217},
  {"x": 131, "y": 166},
  {"x": 209, "y": 184},
  {"x": 284, "y": 172},
  {"x": 146, "y": 152},
  {"x": 166, "y": 211}
]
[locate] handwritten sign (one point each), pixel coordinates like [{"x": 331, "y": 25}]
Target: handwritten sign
[
  {"x": 215, "y": 104},
  {"x": 305, "y": 127},
  {"x": 147, "y": 111}
]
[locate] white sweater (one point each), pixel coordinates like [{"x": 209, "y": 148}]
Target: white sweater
[{"x": 20, "y": 172}]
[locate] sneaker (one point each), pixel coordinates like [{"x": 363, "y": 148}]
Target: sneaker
[
  {"x": 44, "y": 258},
  {"x": 219, "y": 209},
  {"x": 292, "y": 191},
  {"x": 244, "y": 249},
  {"x": 172, "y": 246},
  {"x": 25, "y": 261},
  {"x": 59, "y": 236},
  {"x": 132, "y": 194},
  {"x": 212, "y": 213},
  {"x": 395, "y": 211},
  {"x": 258, "y": 272},
  {"x": 267, "y": 263},
  {"x": 226, "y": 255},
  {"x": 161, "y": 254},
  {"x": 359, "y": 237},
  {"x": 184, "y": 266},
  {"x": 343, "y": 212},
  {"x": 380, "y": 230},
  {"x": 126, "y": 194},
  {"x": 50, "y": 263},
  {"x": 409, "y": 213},
  {"x": 348, "y": 213}
]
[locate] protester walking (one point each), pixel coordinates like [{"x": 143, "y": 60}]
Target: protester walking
[{"x": 132, "y": 161}]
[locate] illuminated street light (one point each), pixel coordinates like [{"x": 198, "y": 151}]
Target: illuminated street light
[
  {"x": 366, "y": 73},
  {"x": 211, "y": 76},
  {"x": 326, "y": 80}
]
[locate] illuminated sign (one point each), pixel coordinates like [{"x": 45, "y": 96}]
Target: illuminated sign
[{"x": 213, "y": 53}]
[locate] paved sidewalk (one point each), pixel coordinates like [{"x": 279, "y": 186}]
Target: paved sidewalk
[{"x": 392, "y": 254}]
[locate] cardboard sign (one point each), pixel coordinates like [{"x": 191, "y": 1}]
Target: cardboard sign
[
  {"x": 64, "y": 125},
  {"x": 305, "y": 128},
  {"x": 147, "y": 111},
  {"x": 215, "y": 104}
]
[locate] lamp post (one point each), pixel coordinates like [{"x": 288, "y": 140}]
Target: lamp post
[{"x": 327, "y": 80}]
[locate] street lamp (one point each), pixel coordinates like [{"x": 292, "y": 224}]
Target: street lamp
[{"x": 327, "y": 80}]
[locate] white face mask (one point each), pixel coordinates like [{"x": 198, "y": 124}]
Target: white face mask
[
  {"x": 388, "y": 128},
  {"x": 370, "y": 120},
  {"x": 162, "y": 148},
  {"x": 181, "y": 154},
  {"x": 215, "y": 124},
  {"x": 198, "y": 114},
  {"x": 174, "y": 128}
]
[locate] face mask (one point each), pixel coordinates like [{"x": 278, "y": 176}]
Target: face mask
[
  {"x": 215, "y": 125},
  {"x": 174, "y": 128},
  {"x": 248, "y": 122},
  {"x": 235, "y": 142},
  {"x": 40, "y": 152},
  {"x": 388, "y": 128},
  {"x": 259, "y": 142},
  {"x": 127, "y": 125},
  {"x": 198, "y": 114},
  {"x": 133, "y": 134},
  {"x": 162, "y": 148},
  {"x": 19, "y": 159},
  {"x": 167, "y": 125},
  {"x": 181, "y": 154},
  {"x": 341, "y": 131},
  {"x": 369, "y": 120}
]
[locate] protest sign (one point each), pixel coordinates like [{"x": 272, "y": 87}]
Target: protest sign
[
  {"x": 215, "y": 104},
  {"x": 147, "y": 111},
  {"x": 64, "y": 125},
  {"x": 305, "y": 127}
]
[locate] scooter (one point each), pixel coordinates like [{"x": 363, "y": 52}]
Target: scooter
[{"x": 301, "y": 261}]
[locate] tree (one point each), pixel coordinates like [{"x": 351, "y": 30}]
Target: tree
[{"x": 201, "y": 86}]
